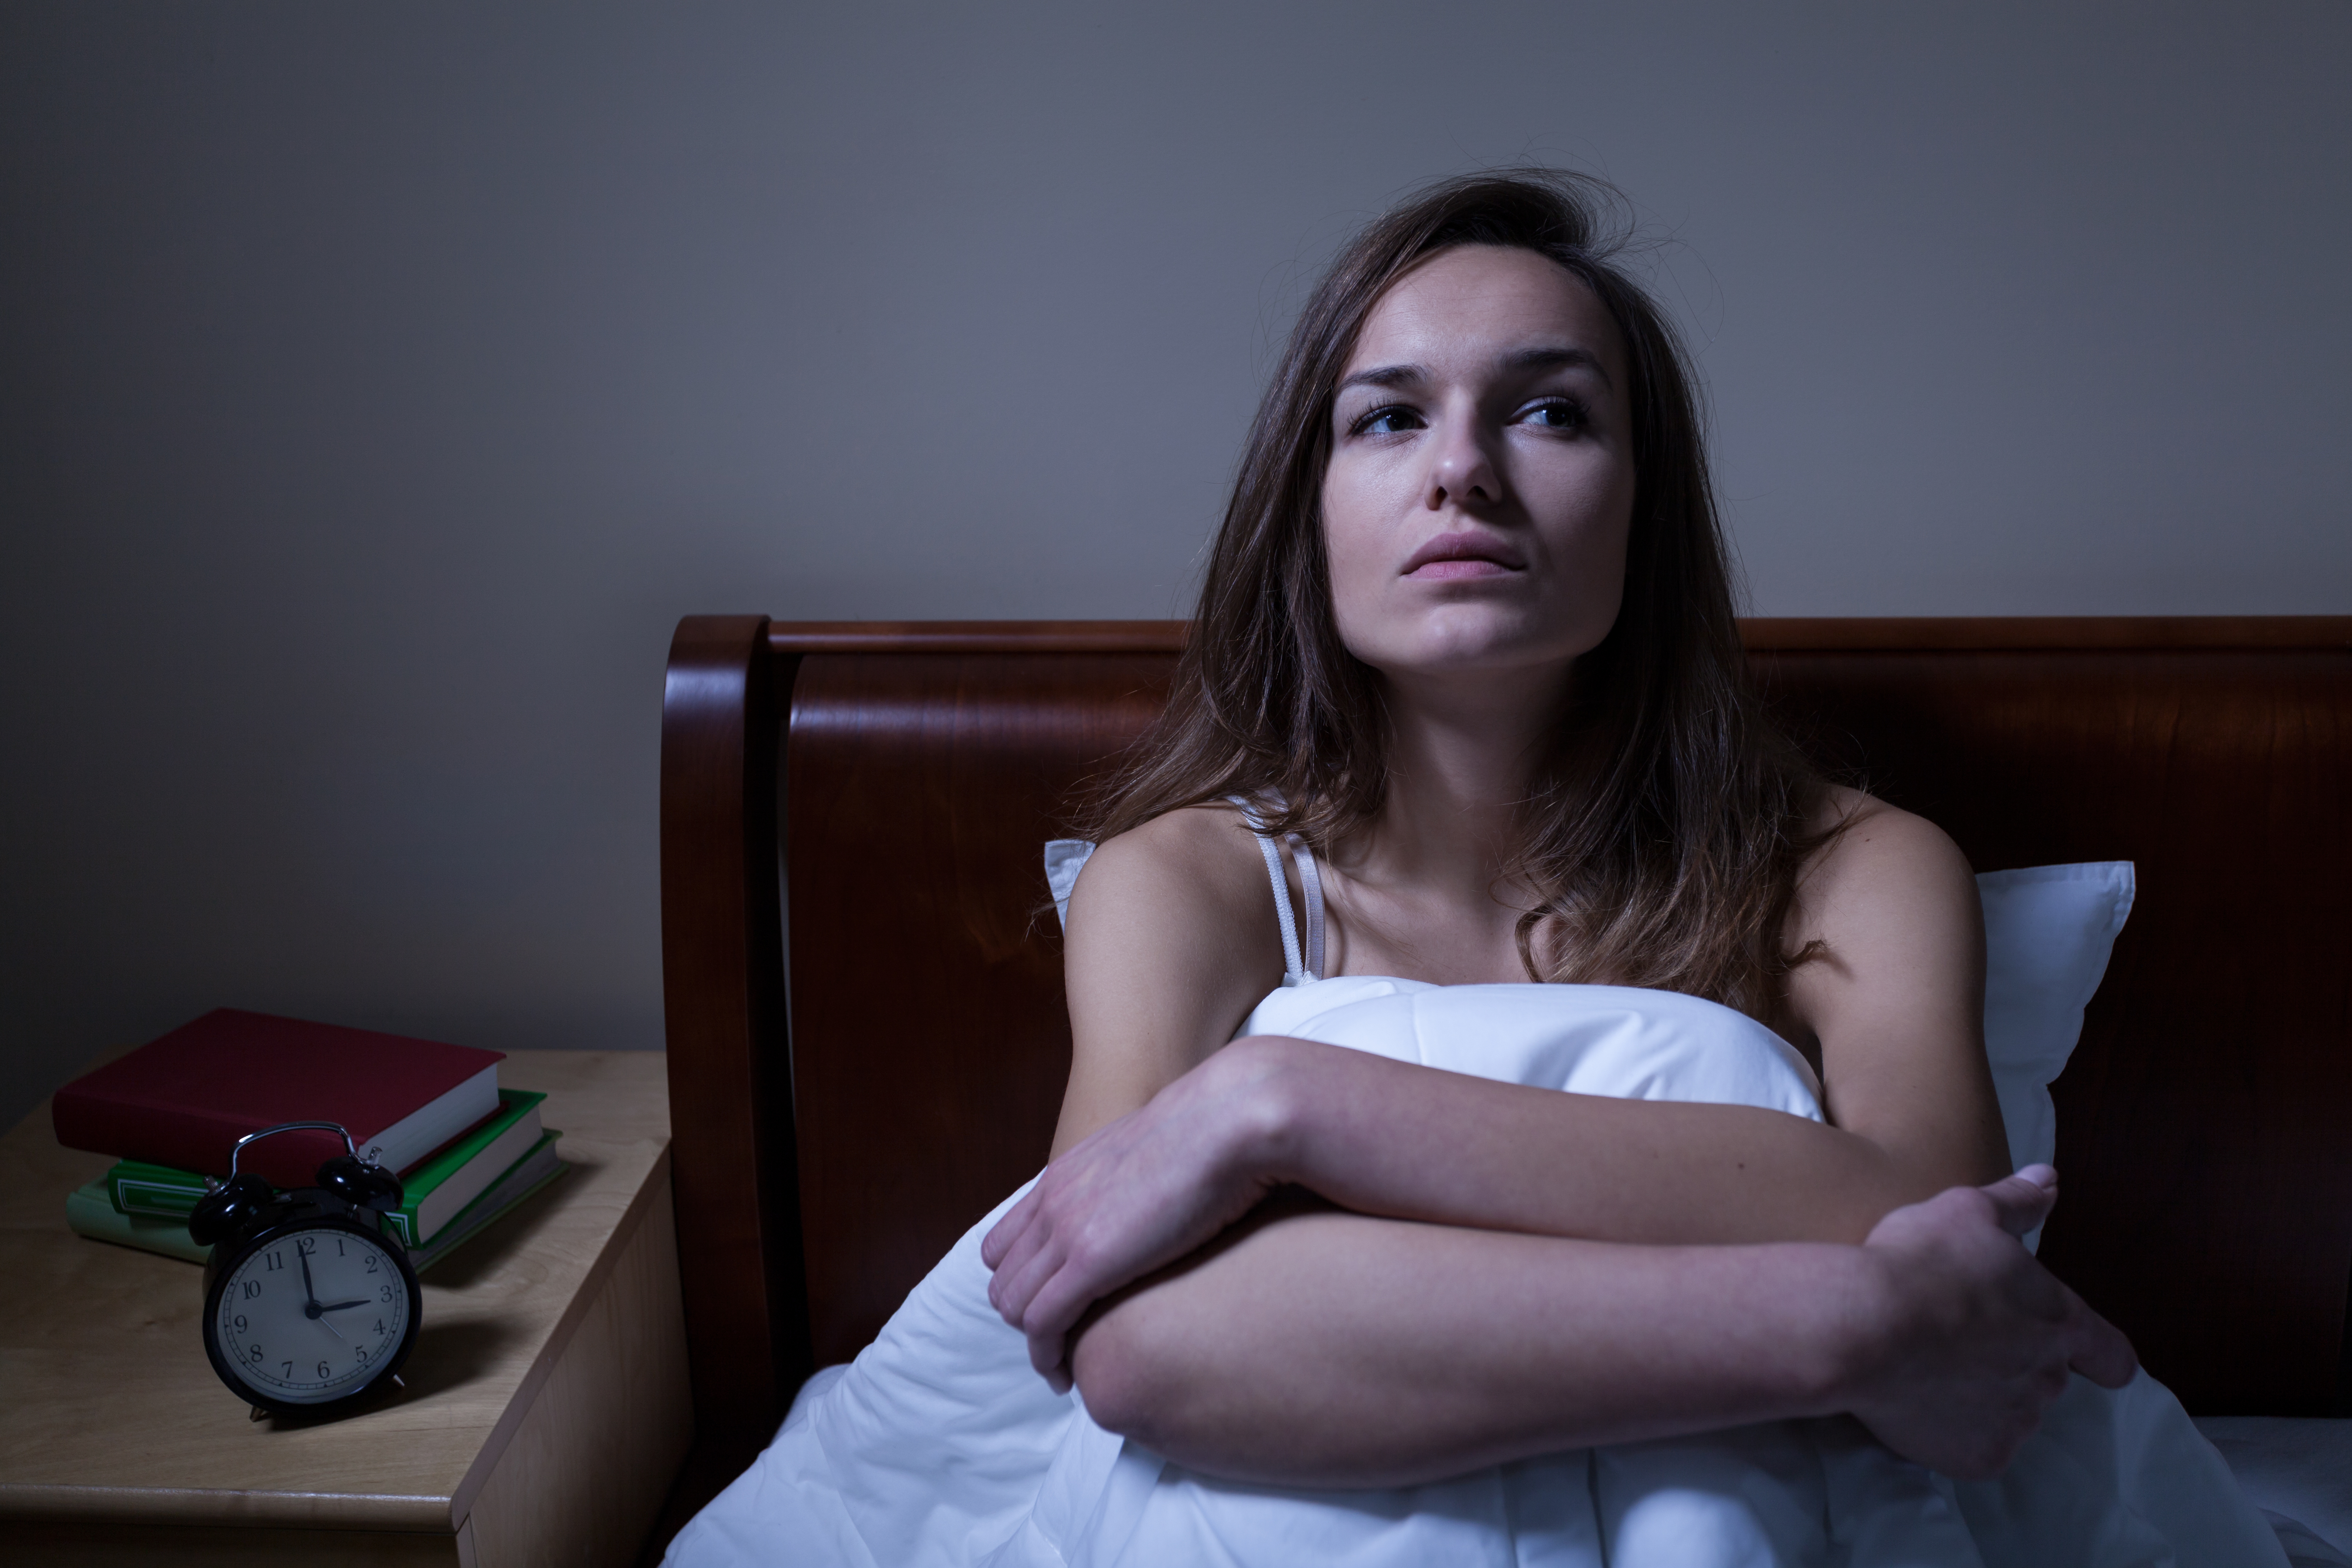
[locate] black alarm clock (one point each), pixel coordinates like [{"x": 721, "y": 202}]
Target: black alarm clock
[{"x": 307, "y": 1302}]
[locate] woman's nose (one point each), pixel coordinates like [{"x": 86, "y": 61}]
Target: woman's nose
[{"x": 1462, "y": 470}]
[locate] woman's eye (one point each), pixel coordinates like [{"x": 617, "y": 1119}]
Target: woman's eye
[
  {"x": 1388, "y": 421},
  {"x": 1557, "y": 415}
]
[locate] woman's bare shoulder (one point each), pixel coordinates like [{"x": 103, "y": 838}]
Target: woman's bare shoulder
[
  {"x": 1873, "y": 847},
  {"x": 1206, "y": 838},
  {"x": 1894, "y": 901},
  {"x": 1895, "y": 997},
  {"x": 1197, "y": 856},
  {"x": 1179, "y": 906},
  {"x": 1171, "y": 941}
]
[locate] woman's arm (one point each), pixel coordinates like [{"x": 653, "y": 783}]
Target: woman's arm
[
  {"x": 1170, "y": 942},
  {"x": 1894, "y": 1008},
  {"x": 1349, "y": 1349},
  {"x": 1326, "y": 1349}
]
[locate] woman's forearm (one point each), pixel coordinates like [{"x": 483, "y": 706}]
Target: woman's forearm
[
  {"x": 1411, "y": 1143},
  {"x": 1398, "y": 1140},
  {"x": 1330, "y": 1349},
  {"x": 1322, "y": 1348}
]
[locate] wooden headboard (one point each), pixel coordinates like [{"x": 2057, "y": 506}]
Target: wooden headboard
[{"x": 863, "y": 1066}]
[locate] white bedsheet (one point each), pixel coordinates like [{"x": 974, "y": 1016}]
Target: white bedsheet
[
  {"x": 939, "y": 1446},
  {"x": 2298, "y": 1472}
]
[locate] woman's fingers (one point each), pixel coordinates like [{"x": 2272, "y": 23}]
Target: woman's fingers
[
  {"x": 1029, "y": 1303},
  {"x": 1028, "y": 1243},
  {"x": 1046, "y": 1277},
  {"x": 1977, "y": 1338},
  {"x": 1045, "y": 1355},
  {"x": 2095, "y": 1348},
  {"x": 1053, "y": 1312},
  {"x": 1002, "y": 1235},
  {"x": 2099, "y": 1350},
  {"x": 1020, "y": 1221},
  {"x": 1016, "y": 1249},
  {"x": 1015, "y": 1285},
  {"x": 2024, "y": 1200},
  {"x": 1134, "y": 1194}
]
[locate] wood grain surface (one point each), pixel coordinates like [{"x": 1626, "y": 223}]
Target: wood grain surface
[
  {"x": 50, "y": 1544},
  {"x": 109, "y": 1412},
  {"x": 723, "y": 1009},
  {"x": 586, "y": 1470},
  {"x": 929, "y": 1039}
]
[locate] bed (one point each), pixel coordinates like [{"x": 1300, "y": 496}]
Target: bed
[{"x": 866, "y": 1036}]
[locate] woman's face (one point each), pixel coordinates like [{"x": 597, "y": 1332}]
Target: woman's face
[{"x": 1481, "y": 481}]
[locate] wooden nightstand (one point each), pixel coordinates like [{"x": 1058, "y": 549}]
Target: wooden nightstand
[{"x": 547, "y": 1407}]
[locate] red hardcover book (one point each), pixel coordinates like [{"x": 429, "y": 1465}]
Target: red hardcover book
[{"x": 185, "y": 1099}]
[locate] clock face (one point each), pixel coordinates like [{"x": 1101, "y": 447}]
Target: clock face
[{"x": 312, "y": 1315}]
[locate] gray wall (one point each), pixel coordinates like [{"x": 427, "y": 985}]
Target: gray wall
[{"x": 381, "y": 383}]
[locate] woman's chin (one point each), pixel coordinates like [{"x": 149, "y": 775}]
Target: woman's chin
[{"x": 1466, "y": 641}]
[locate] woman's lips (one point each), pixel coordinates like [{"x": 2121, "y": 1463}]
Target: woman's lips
[
  {"x": 1461, "y": 553},
  {"x": 1459, "y": 567}
]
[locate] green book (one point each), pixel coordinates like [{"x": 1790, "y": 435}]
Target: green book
[
  {"x": 443, "y": 1186},
  {"x": 533, "y": 1171},
  {"x": 90, "y": 1212}
]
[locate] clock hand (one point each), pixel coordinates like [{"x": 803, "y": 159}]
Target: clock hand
[
  {"x": 308, "y": 1289},
  {"x": 333, "y": 1330},
  {"x": 338, "y": 1306}
]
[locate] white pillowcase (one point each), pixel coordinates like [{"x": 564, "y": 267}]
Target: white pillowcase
[{"x": 2048, "y": 932}]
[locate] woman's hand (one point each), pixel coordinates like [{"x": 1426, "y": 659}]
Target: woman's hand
[
  {"x": 1972, "y": 1339},
  {"x": 1141, "y": 1193}
]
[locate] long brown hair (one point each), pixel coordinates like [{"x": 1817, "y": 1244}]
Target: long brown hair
[{"x": 1664, "y": 835}]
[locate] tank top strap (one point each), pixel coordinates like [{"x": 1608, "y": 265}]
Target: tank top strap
[
  {"x": 1310, "y": 883},
  {"x": 1299, "y": 967}
]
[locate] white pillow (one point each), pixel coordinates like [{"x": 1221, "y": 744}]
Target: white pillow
[{"x": 2048, "y": 932}]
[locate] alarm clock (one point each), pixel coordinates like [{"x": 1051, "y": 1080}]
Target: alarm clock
[{"x": 307, "y": 1302}]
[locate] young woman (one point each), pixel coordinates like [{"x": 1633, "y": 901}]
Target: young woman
[{"x": 1337, "y": 1269}]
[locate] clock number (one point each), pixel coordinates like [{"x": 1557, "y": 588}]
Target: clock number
[
  {"x": 306, "y": 1244},
  {"x": 387, "y": 1293},
  {"x": 325, "y": 1371},
  {"x": 379, "y": 1328},
  {"x": 256, "y": 1355},
  {"x": 240, "y": 1322},
  {"x": 271, "y": 1262},
  {"x": 289, "y": 1369},
  {"x": 252, "y": 1287},
  {"x": 370, "y": 1267},
  {"x": 339, "y": 1247},
  {"x": 362, "y": 1354}
]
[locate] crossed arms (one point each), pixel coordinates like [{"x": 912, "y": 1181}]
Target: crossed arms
[{"x": 1289, "y": 1262}]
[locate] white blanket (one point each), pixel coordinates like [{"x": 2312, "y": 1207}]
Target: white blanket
[{"x": 940, "y": 1446}]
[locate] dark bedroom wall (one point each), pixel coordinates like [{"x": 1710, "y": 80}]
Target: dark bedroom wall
[{"x": 378, "y": 384}]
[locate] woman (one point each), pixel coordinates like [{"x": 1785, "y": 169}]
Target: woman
[{"x": 1336, "y": 1269}]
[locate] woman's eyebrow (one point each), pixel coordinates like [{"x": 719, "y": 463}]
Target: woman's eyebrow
[
  {"x": 1557, "y": 358},
  {"x": 1384, "y": 375},
  {"x": 1545, "y": 357}
]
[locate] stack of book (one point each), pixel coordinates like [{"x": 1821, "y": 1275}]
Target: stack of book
[{"x": 466, "y": 1150}]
